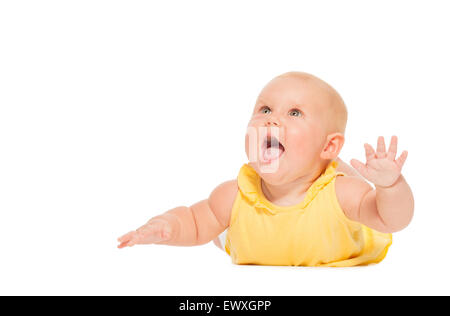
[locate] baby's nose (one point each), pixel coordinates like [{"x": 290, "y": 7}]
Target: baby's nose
[{"x": 272, "y": 123}]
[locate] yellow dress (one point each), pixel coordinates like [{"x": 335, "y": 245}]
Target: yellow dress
[{"x": 314, "y": 232}]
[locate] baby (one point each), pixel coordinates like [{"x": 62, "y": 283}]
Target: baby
[{"x": 295, "y": 202}]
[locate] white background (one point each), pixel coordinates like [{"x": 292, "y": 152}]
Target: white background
[{"x": 112, "y": 112}]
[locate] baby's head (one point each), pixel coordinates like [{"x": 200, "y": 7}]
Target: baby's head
[{"x": 306, "y": 116}]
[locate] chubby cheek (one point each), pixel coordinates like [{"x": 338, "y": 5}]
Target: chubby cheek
[{"x": 302, "y": 145}]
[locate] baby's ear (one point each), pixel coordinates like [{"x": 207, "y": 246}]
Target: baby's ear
[{"x": 333, "y": 146}]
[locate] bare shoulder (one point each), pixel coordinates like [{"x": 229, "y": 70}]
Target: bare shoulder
[
  {"x": 350, "y": 191},
  {"x": 221, "y": 200}
]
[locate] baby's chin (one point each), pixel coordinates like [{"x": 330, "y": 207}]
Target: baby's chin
[{"x": 273, "y": 174}]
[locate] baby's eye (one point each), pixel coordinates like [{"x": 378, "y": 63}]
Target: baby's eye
[
  {"x": 295, "y": 112},
  {"x": 265, "y": 110}
]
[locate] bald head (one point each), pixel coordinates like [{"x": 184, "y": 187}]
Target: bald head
[{"x": 336, "y": 111}]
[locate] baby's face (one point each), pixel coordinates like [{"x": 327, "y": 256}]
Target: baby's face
[{"x": 294, "y": 112}]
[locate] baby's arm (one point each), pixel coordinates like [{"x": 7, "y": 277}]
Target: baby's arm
[
  {"x": 188, "y": 226},
  {"x": 387, "y": 208}
]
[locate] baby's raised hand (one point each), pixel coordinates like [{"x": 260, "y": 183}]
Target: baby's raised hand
[
  {"x": 381, "y": 167},
  {"x": 155, "y": 230}
]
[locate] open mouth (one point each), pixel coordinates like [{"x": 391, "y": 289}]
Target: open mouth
[{"x": 271, "y": 149}]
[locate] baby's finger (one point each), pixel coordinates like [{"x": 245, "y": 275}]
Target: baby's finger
[
  {"x": 392, "y": 152},
  {"x": 133, "y": 241},
  {"x": 381, "y": 148},
  {"x": 370, "y": 152},
  {"x": 401, "y": 159},
  {"x": 122, "y": 245},
  {"x": 124, "y": 240},
  {"x": 125, "y": 237}
]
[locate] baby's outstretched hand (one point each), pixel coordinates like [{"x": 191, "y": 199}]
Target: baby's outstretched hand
[
  {"x": 155, "y": 230},
  {"x": 381, "y": 168}
]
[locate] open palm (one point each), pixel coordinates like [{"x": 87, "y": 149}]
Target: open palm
[{"x": 381, "y": 167}]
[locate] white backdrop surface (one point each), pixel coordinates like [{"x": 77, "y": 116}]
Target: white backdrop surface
[{"x": 112, "y": 112}]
